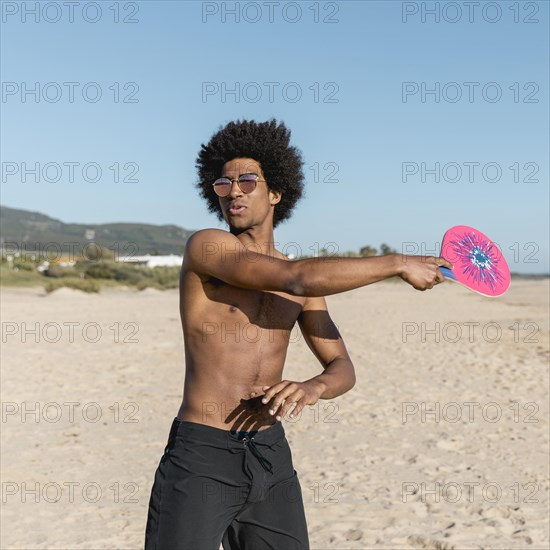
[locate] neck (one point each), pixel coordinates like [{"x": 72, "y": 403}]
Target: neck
[{"x": 256, "y": 239}]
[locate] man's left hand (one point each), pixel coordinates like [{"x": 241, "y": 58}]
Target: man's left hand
[{"x": 287, "y": 393}]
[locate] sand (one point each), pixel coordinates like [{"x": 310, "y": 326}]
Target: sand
[{"x": 442, "y": 443}]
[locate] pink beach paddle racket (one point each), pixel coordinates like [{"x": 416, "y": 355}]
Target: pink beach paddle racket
[{"x": 478, "y": 263}]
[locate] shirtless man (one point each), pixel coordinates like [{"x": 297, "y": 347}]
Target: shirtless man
[{"x": 226, "y": 475}]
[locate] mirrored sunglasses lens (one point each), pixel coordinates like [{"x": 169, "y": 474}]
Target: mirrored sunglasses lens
[
  {"x": 247, "y": 183},
  {"x": 222, "y": 187}
]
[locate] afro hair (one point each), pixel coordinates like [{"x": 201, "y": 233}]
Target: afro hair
[{"x": 266, "y": 143}]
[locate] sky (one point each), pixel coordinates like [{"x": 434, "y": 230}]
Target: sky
[{"x": 411, "y": 117}]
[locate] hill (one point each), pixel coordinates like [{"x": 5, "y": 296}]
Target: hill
[{"x": 34, "y": 231}]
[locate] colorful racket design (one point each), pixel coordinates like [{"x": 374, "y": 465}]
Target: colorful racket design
[{"x": 477, "y": 262}]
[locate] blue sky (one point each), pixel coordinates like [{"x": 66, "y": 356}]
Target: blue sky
[{"x": 370, "y": 142}]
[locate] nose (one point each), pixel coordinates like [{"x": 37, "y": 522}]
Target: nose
[{"x": 235, "y": 189}]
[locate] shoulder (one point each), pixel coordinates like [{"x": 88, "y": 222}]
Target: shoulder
[
  {"x": 207, "y": 241},
  {"x": 205, "y": 235}
]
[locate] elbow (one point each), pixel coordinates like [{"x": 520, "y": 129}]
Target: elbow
[
  {"x": 352, "y": 378},
  {"x": 296, "y": 288},
  {"x": 353, "y": 381},
  {"x": 296, "y": 283}
]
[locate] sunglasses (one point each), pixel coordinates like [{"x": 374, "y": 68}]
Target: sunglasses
[{"x": 246, "y": 182}]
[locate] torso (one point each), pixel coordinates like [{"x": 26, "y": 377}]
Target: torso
[{"x": 236, "y": 341}]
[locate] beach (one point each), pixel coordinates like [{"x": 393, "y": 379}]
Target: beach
[{"x": 442, "y": 443}]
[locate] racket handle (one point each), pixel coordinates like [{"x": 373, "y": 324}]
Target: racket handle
[{"x": 446, "y": 272}]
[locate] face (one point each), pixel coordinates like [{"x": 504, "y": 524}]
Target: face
[{"x": 243, "y": 210}]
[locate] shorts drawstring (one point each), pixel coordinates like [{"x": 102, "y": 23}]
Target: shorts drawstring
[{"x": 249, "y": 442}]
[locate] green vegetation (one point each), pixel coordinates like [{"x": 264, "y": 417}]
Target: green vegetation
[
  {"x": 97, "y": 268},
  {"x": 21, "y": 278},
  {"x": 367, "y": 251},
  {"x": 71, "y": 282},
  {"x": 87, "y": 275},
  {"x": 364, "y": 252},
  {"x": 385, "y": 250},
  {"x": 141, "y": 277}
]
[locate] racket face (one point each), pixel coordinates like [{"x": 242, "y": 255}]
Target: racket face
[{"x": 477, "y": 262}]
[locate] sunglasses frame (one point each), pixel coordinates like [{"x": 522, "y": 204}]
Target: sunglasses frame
[{"x": 257, "y": 179}]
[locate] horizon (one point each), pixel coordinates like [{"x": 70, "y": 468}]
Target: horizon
[{"x": 290, "y": 255}]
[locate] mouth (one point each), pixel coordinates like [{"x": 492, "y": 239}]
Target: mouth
[{"x": 236, "y": 209}]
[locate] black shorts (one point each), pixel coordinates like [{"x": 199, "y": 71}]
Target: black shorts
[{"x": 217, "y": 486}]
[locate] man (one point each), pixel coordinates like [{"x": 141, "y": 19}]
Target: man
[{"x": 227, "y": 474}]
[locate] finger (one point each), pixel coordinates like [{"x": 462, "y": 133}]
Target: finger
[
  {"x": 284, "y": 409},
  {"x": 289, "y": 406},
  {"x": 443, "y": 262},
  {"x": 439, "y": 277},
  {"x": 275, "y": 403},
  {"x": 290, "y": 401},
  {"x": 278, "y": 413},
  {"x": 298, "y": 409},
  {"x": 280, "y": 397},
  {"x": 274, "y": 390},
  {"x": 293, "y": 412},
  {"x": 280, "y": 406}
]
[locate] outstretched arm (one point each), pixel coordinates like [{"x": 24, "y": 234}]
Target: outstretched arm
[{"x": 222, "y": 255}]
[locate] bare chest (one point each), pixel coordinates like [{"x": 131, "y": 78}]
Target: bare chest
[{"x": 266, "y": 309}]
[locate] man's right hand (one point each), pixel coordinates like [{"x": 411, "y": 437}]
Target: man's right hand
[{"x": 422, "y": 272}]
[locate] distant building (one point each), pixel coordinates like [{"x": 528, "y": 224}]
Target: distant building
[
  {"x": 153, "y": 261},
  {"x": 89, "y": 234},
  {"x": 61, "y": 262}
]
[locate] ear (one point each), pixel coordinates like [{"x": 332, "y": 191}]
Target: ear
[{"x": 275, "y": 197}]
